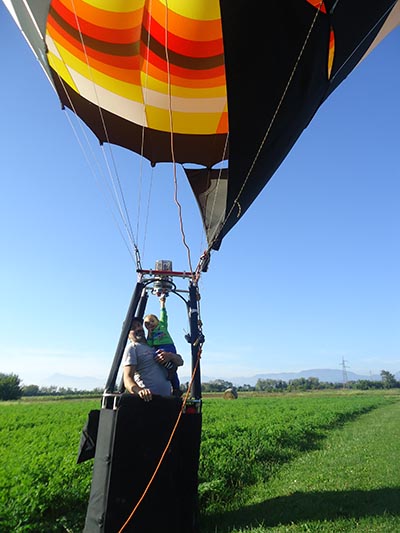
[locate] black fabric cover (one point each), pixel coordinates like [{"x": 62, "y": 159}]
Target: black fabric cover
[
  {"x": 130, "y": 442},
  {"x": 261, "y": 48},
  {"x": 87, "y": 445}
]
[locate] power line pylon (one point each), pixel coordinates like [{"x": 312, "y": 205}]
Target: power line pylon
[{"x": 344, "y": 373}]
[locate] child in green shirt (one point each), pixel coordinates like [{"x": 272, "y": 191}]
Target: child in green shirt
[{"x": 159, "y": 337}]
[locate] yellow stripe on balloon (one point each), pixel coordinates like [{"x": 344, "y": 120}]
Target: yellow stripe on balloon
[
  {"x": 182, "y": 122},
  {"x": 182, "y": 91},
  {"x": 194, "y": 9},
  {"x": 116, "y": 6},
  {"x": 127, "y": 90}
]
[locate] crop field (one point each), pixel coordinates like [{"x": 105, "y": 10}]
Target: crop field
[{"x": 245, "y": 445}]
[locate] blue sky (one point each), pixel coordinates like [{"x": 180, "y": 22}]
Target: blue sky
[{"x": 309, "y": 277}]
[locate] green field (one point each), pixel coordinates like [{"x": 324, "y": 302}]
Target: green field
[{"x": 301, "y": 462}]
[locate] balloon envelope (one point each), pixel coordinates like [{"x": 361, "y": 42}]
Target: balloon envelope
[{"x": 203, "y": 82}]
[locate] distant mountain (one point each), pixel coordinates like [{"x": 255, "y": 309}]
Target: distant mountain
[
  {"x": 327, "y": 375},
  {"x": 73, "y": 382}
]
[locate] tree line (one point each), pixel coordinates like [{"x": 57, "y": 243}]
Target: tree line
[
  {"x": 387, "y": 381},
  {"x": 12, "y": 389}
]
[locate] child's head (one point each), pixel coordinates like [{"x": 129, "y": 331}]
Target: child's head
[{"x": 151, "y": 322}]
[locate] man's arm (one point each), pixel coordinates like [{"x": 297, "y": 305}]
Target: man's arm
[
  {"x": 131, "y": 385},
  {"x": 129, "y": 379},
  {"x": 176, "y": 359}
]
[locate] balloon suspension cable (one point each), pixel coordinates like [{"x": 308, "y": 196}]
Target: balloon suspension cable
[
  {"x": 171, "y": 125},
  {"x": 98, "y": 172},
  {"x": 236, "y": 203},
  {"x": 142, "y": 141},
  {"x": 202, "y": 265},
  {"x": 146, "y": 222},
  {"x": 388, "y": 10},
  {"x": 217, "y": 188},
  {"x": 137, "y": 257},
  {"x": 114, "y": 176},
  {"x": 180, "y": 216}
]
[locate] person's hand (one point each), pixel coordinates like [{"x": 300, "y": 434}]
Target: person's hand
[
  {"x": 145, "y": 394},
  {"x": 163, "y": 357}
]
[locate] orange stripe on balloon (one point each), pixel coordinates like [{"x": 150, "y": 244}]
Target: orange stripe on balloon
[
  {"x": 179, "y": 81},
  {"x": 320, "y": 5},
  {"x": 94, "y": 31},
  {"x": 186, "y": 28},
  {"x": 331, "y": 53},
  {"x": 119, "y": 66},
  {"x": 223, "y": 125},
  {"x": 122, "y": 68},
  {"x": 101, "y": 17},
  {"x": 194, "y": 74},
  {"x": 187, "y": 47}
]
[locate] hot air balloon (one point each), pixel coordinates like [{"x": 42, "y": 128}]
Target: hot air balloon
[
  {"x": 225, "y": 86},
  {"x": 169, "y": 82}
]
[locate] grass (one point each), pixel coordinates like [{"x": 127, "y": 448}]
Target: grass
[
  {"x": 305, "y": 462},
  {"x": 351, "y": 483}
]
